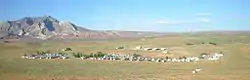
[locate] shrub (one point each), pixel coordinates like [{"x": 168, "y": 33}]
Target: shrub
[
  {"x": 91, "y": 55},
  {"x": 189, "y": 44},
  {"x": 99, "y": 54},
  {"x": 68, "y": 49},
  {"x": 40, "y": 52},
  {"x": 202, "y": 43},
  {"x": 60, "y": 53},
  {"x": 136, "y": 55},
  {"x": 120, "y": 47},
  {"x": 77, "y": 55},
  {"x": 167, "y": 57},
  {"x": 212, "y": 43},
  {"x": 86, "y": 56}
]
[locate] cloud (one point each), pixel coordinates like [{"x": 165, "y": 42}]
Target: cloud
[
  {"x": 204, "y": 20},
  {"x": 200, "y": 20},
  {"x": 174, "y": 22},
  {"x": 169, "y": 22},
  {"x": 162, "y": 22},
  {"x": 203, "y": 14}
]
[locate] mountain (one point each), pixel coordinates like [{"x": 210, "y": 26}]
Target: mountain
[
  {"x": 47, "y": 27},
  {"x": 37, "y": 27}
]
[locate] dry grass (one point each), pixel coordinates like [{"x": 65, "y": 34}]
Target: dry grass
[{"x": 234, "y": 66}]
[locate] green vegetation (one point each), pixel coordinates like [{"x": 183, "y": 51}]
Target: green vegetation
[
  {"x": 42, "y": 52},
  {"x": 79, "y": 55},
  {"x": 136, "y": 55},
  {"x": 99, "y": 54},
  {"x": 68, "y": 49}
]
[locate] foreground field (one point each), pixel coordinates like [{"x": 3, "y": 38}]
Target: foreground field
[{"x": 235, "y": 65}]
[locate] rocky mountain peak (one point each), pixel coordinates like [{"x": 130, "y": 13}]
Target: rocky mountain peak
[{"x": 44, "y": 26}]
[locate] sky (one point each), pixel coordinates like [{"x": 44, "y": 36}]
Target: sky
[{"x": 137, "y": 15}]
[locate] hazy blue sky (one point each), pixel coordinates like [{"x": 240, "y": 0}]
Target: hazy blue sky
[{"x": 150, "y": 15}]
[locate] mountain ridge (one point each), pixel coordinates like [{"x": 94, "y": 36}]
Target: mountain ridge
[
  {"x": 48, "y": 27},
  {"x": 39, "y": 27}
]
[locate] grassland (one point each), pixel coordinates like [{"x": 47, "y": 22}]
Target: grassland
[{"x": 235, "y": 65}]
